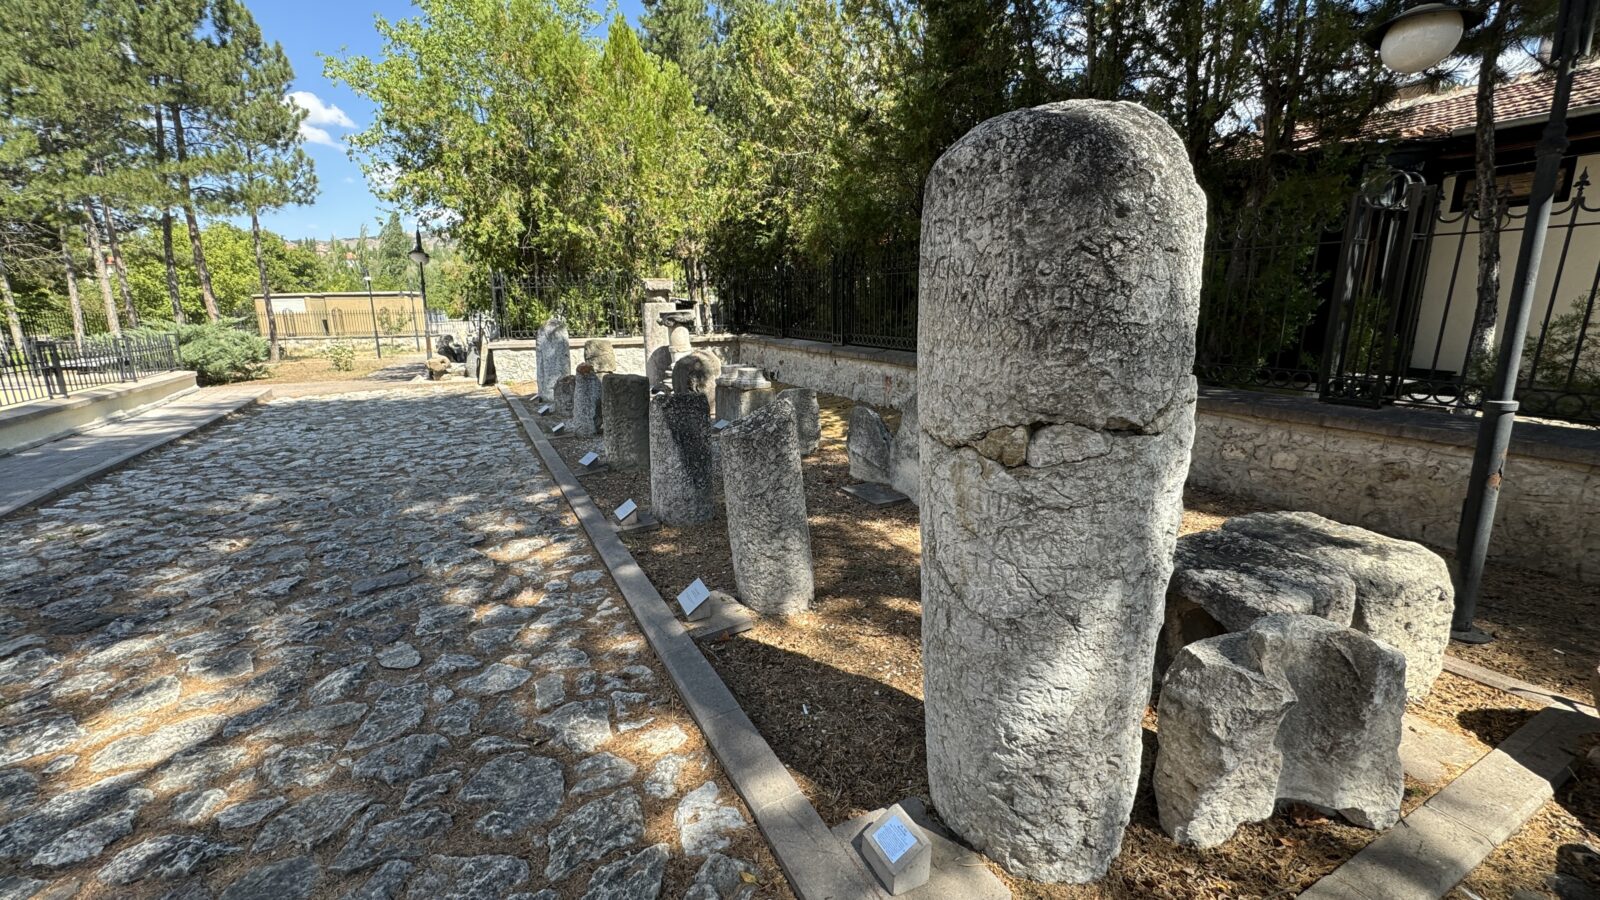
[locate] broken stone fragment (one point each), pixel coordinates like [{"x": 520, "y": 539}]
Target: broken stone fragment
[{"x": 868, "y": 445}]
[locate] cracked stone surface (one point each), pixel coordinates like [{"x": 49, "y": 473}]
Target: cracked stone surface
[{"x": 293, "y": 656}]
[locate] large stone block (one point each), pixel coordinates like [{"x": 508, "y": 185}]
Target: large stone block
[
  {"x": 869, "y": 445},
  {"x": 680, "y": 459},
  {"x": 625, "y": 408},
  {"x": 765, "y": 493},
  {"x": 1295, "y": 708},
  {"x": 587, "y": 415},
  {"x": 807, "y": 422},
  {"x": 744, "y": 391},
  {"x": 563, "y": 396},
  {"x": 698, "y": 372},
  {"x": 1059, "y": 288},
  {"x": 600, "y": 354},
  {"x": 554, "y": 356},
  {"x": 1223, "y": 581},
  {"x": 1404, "y": 596},
  {"x": 905, "y": 467}
]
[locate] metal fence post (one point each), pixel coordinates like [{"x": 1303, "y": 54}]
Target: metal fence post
[{"x": 55, "y": 373}]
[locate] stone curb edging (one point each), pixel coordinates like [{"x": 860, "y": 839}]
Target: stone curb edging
[
  {"x": 1431, "y": 850},
  {"x": 818, "y": 865},
  {"x": 1515, "y": 686},
  {"x": 62, "y": 485}
]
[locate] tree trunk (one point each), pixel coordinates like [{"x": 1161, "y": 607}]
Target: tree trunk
[
  {"x": 202, "y": 274},
  {"x": 119, "y": 265},
  {"x": 266, "y": 289},
  {"x": 13, "y": 319},
  {"x": 101, "y": 271},
  {"x": 167, "y": 256},
  {"x": 72, "y": 283},
  {"x": 1486, "y": 312}
]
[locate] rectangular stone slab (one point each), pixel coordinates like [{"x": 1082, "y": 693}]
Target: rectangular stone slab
[
  {"x": 875, "y": 494},
  {"x": 958, "y": 873}
]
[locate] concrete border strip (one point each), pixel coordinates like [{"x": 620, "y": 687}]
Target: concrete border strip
[
  {"x": 62, "y": 485},
  {"x": 818, "y": 865},
  {"x": 1431, "y": 850},
  {"x": 1525, "y": 690}
]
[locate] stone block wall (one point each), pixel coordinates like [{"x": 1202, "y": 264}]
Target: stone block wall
[
  {"x": 1401, "y": 472},
  {"x": 513, "y": 361}
]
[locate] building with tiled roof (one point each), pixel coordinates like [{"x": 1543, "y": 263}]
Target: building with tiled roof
[{"x": 1522, "y": 100}]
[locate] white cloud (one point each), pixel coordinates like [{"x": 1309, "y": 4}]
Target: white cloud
[{"x": 319, "y": 117}]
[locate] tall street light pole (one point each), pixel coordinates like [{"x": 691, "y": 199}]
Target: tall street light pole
[
  {"x": 372, "y": 307},
  {"x": 1413, "y": 41},
  {"x": 420, "y": 257}
]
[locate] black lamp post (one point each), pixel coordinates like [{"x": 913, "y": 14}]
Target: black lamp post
[
  {"x": 420, "y": 257},
  {"x": 1419, "y": 38},
  {"x": 372, "y": 308}
]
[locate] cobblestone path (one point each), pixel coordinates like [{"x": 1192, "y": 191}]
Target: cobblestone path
[{"x": 343, "y": 646}]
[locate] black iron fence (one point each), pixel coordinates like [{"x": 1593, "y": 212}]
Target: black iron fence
[
  {"x": 868, "y": 300},
  {"x": 38, "y": 368},
  {"x": 599, "y": 305}
]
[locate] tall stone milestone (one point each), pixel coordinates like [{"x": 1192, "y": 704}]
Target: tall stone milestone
[
  {"x": 1059, "y": 288},
  {"x": 553, "y": 356},
  {"x": 562, "y": 400},
  {"x": 586, "y": 413},
  {"x": 698, "y": 372},
  {"x": 807, "y": 420},
  {"x": 680, "y": 458},
  {"x": 625, "y": 408},
  {"x": 765, "y": 493},
  {"x": 601, "y": 354}
]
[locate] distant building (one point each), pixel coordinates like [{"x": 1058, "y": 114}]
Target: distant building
[{"x": 342, "y": 315}]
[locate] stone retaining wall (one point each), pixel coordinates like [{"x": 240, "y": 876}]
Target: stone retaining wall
[{"x": 1402, "y": 472}]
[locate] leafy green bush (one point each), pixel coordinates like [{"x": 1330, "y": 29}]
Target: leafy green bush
[
  {"x": 342, "y": 356},
  {"x": 219, "y": 353}
]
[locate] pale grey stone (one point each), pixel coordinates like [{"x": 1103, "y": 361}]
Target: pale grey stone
[
  {"x": 194, "y": 807},
  {"x": 868, "y": 444},
  {"x": 765, "y": 496},
  {"x": 199, "y": 768},
  {"x": 385, "y": 883},
  {"x": 338, "y": 684},
  {"x": 1219, "y": 760},
  {"x": 37, "y": 737},
  {"x": 905, "y": 467},
  {"x": 398, "y": 710},
  {"x": 594, "y": 830},
  {"x": 625, "y": 408},
  {"x": 495, "y": 679},
  {"x": 406, "y": 837},
  {"x": 24, "y": 836},
  {"x": 703, "y": 823},
  {"x": 562, "y": 401},
  {"x": 244, "y": 815},
  {"x": 743, "y": 391},
  {"x": 428, "y": 788},
  {"x": 680, "y": 459},
  {"x": 88, "y": 840},
  {"x": 294, "y": 878},
  {"x": 697, "y": 373},
  {"x": 304, "y": 766},
  {"x": 1404, "y": 596},
  {"x": 807, "y": 424},
  {"x": 581, "y": 726},
  {"x": 455, "y": 718},
  {"x": 1061, "y": 257},
  {"x": 18, "y": 789},
  {"x": 600, "y": 354},
  {"x": 588, "y": 418},
  {"x": 549, "y": 691},
  {"x": 663, "y": 780},
  {"x": 723, "y": 878},
  {"x": 554, "y": 356},
  {"x": 403, "y": 760},
  {"x": 152, "y": 695},
  {"x": 524, "y": 791},
  {"x": 442, "y": 619},
  {"x": 399, "y": 656},
  {"x": 164, "y": 858},
  {"x": 222, "y": 666},
  {"x": 636, "y": 877},
  {"x": 602, "y": 773},
  {"x": 157, "y": 746},
  {"x": 487, "y": 877},
  {"x": 318, "y": 720},
  {"x": 310, "y": 822}
]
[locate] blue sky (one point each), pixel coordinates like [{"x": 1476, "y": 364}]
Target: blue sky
[{"x": 311, "y": 28}]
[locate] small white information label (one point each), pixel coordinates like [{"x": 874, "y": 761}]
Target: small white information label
[
  {"x": 894, "y": 839},
  {"x": 720, "y": 424},
  {"x": 560, "y": 427},
  {"x": 545, "y": 410},
  {"x": 588, "y": 459},
  {"x": 627, "y": 509},
  {"x": 692, "y": 596}
]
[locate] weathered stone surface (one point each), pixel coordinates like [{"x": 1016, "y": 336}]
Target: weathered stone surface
[
  {"x": 703, "y": 823},
  {"x": 1060, "y": 277},
  {"x": 524, "y": 790},
  {"x": 658, "y": 356},
  {"x": 398, "y": 710},
  {"x": 765, "y": 494},
  {"x": 497, "y": 678},
  {"x": 1223, "y": 581},
  {"x": 385, "y": 883},
  {"x": 155, "y": 694},
  {"x": 602, "y": 773},
  {"x": 636, "y": 877},
  {"x": 625, "y": 407},
  {"x": 587, "y": 414},
  {"x": 807, "y": 418},
  {"x": 593, "y": 830},
  {"x": 401, "y": 761},
  {"x": 310, "y": 822},
  {"x": 680, "y": 459},
  {"x": 1219, "y": 761},
  {"x": 157, "y": 746},
  {"x": 488, "y": 877},
  {"x": 744, "y": 390},
  {"x": 601, "y": 355},
  {"x": 318, "y": 720},
  {"x": 698, "y": 373},
  {"x": 245, "y": 815},
  {"x": 868, "y": 444},
  {"x": 1404, "y": 596},
  {"x": 88, "y": 840},
  {"x": 164, "y": 858},
  {"x": 581, "y": 726},
  {"x": 294, "y": 878},
  {"x": 37, "y": 737},
  {"x": 406, "y": 837},
  {"x": 338, "y": 684},
  {"x": 723, "y": 878},
  {"x": 554, "y": 356},
  {"x": 399, "y": 656},
  {"x": 24, "y": 836},
  {"x": 565, "y": 385},
  {"x": 305, "y": 766},
  {"x": 905, "y": 467}
]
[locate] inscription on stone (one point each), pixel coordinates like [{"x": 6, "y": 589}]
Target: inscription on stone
[{"x": 626, "y": 511}]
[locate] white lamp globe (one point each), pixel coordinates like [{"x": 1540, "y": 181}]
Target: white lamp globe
[{"x": 1421, "y": 38}]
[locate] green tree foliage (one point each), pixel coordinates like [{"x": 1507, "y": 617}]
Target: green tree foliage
[{"x": 235, "y": 277}]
